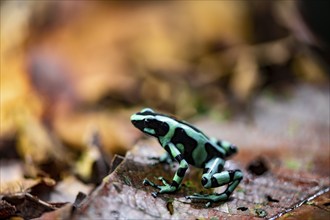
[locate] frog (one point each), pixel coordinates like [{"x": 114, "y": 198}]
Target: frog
[{"x": 188, "y": 145}]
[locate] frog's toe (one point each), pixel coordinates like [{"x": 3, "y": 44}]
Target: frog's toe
[
  {"x": 200, "y": 198},
  {"x": 208, "y": 204},
  {"x": 154, "y": 194},
  {"x": 164, "y": 181},
  {"x": 147, "y": 182},
  {"x": 211, "y": 198},
  {"x": 167, "y": 189},
  {"x": 197, "y": 196}
]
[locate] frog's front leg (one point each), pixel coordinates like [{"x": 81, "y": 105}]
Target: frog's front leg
[
  {"x": 178, "y": 177},
  {"x": 213, "y": 177}
]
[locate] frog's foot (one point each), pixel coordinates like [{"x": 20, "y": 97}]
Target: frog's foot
[
  {"x": 166, "y": 188},
  {"x": 147, "y": 182},
  {"x": 210, "y": 198}
]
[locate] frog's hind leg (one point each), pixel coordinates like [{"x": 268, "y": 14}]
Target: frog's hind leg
[{"x": 213, "y": 177}]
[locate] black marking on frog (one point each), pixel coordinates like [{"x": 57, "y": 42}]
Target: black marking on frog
[{"x": 181, "y": 137}]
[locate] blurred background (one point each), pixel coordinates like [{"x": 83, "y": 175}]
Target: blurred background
[{"x": 72, "y": 72}]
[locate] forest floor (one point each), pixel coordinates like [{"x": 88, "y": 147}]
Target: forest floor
[{"x": 283, "y": 152}]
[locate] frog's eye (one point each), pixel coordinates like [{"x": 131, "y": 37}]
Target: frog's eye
[{"x": 148, "y": 122}]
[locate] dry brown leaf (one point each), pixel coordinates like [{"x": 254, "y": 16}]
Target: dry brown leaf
[
  {"x": 38, "y": 143},
  {"x": 245, "y": 76},
  {"x": 115, "y": 129},
  {"x": 23, "y": 185}
]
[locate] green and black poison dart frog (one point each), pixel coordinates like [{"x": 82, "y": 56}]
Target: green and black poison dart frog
[{"x": 188, "y": 145}]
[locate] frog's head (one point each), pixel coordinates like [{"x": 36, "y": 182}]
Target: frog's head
[{"x": 150, "y": 122}]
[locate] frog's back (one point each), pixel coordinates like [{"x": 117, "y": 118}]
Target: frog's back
[
  {"x": 195, "y": 146},
  {"x": 186, "y": 126}
]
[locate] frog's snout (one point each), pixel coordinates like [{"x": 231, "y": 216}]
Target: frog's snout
[
  {"x": 135, "y": 123},
  {"x": 133, "y": 120}
]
